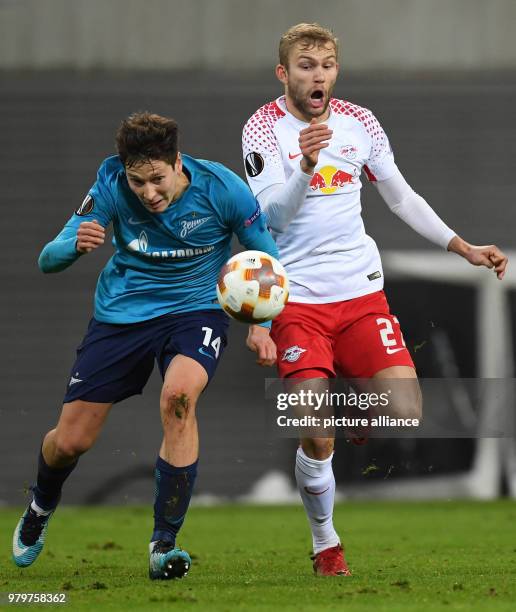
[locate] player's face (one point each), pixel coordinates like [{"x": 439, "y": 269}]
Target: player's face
[
  {"x": 156, "y": 183},
  {"x": 309, "y": 79}
]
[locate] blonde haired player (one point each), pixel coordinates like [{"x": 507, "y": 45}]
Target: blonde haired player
[{"x": 304, "y": 154}]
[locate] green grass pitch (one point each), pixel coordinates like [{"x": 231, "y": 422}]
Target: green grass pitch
[{"x": 404, "y": 556}]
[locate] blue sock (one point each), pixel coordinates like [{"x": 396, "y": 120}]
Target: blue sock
[
  {"x": 174, "y": 486},
  {"x": 47, "y": 491}
]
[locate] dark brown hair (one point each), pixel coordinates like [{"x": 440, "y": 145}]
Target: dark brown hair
[
  {"x": 308, "y": 35},
  {"x": 145, "y": 136}
]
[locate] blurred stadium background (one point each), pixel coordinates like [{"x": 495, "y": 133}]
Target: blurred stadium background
[{"x": 441, "y": 77}]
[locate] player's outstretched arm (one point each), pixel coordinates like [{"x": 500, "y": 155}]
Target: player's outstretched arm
[
  {"x": 73, "y": 241},
  {"x": 415, "y": 211},
  {"x": 489, "y": 256},
  {"x": 411, "y": 208},
  {"x": 259, "y": 341}
]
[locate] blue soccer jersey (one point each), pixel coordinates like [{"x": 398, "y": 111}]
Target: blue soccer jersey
[{"x": 163, "y": 262}]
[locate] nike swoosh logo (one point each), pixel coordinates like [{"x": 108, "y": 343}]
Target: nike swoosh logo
[
  {"x": 290, "y": 156},
  {"x": 392, "y": 351},
  {"x": 135, "y": 221},
  {"x": 203, "y": 352},
  {"x": 314, "y": 492}
]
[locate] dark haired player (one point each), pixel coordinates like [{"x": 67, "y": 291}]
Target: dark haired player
[{"x": 173, "y": 218}]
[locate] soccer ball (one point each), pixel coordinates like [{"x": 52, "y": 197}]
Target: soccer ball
[{"x": 252, "y": 287}]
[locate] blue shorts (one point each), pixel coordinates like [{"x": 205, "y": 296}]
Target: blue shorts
[{"x": 115, "y": 361}]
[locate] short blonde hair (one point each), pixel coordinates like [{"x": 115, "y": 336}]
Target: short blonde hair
[{"x": 309, "y": 35}]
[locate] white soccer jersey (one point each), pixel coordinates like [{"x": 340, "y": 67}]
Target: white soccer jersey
[{"x": 325, "y": 250}]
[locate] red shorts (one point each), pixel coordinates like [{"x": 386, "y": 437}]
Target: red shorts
[{"x": 355, "y": 339}]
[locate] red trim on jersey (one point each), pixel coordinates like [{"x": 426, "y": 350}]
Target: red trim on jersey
[
  {"x": 269, "y": 111},
  {"x": 364, "y": 115},
  {"x": 343, "y": 107},
  {"x": 276, "y": 110},
  {"x": 367, "y": 119},
  {"x": 258, "y": 131},
  {"x": 369, "y": 174}
]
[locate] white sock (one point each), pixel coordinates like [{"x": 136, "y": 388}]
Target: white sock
[
  {"x": 316, "y": 485},
  {"x": 39, "y": 511}
]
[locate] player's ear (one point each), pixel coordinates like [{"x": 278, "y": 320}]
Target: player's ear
[
  {"x": 178, "y": 166},
  {"x": 281, "y": 73}
]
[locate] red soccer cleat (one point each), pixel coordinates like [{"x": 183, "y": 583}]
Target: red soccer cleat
[{"x": 331, "y": 562}]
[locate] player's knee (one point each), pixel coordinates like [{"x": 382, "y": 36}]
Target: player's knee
[
  {"x": 408, "y": 405},
  {"x": 177, "y": 405},
  {"x": 317, "y": 448},
  {"x": 71, "y": 447}
]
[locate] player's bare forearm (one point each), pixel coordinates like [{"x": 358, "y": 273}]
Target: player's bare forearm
[
  {"x": 489, "y": 255},
  {"x": 259, "y": 341}
]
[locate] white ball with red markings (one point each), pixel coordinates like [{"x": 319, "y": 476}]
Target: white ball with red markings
[{"x": 252, "y": 287}]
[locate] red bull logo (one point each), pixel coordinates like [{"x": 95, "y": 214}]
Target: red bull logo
[
  {"x": 317, "y": 181},
  {"x": 328, "y": 179}
]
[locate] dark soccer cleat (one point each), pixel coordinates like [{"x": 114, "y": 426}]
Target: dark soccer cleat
[
  {"x": 331, "y": 562},
  {"x": 29, "y": 537},
  {"x": 167, "y": 562}
]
